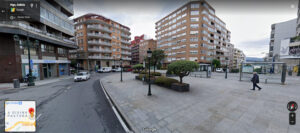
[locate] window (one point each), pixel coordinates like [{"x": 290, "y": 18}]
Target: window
[
  {"x": 194, "y": 12},
  {"x": 183, "y": 15},
  {"x": 194, "y": 32},
  {"x": 194, "y": 52},
  {"x": 194, "y": 5},
  {"x": 183, "y": 9},
  {"x": 193, "y": 45},
  {"x": 194, "y": 39},
  {"x": 194, "y": 26},
  {"x": 194, "y": 19},
  {"x": 61, "y": 51},
  {"x": 205, "y": 19},
  {"x": 193, "y": 58}
]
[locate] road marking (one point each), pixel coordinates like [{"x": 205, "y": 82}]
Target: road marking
[
  {"x": 115, "y": 110},
  {"x": 69, "y": 87},
  {"x": 38, "y": 116}
]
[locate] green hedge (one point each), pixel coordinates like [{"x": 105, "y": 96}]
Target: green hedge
[
  {"x": 152, "y": 73},
  {"x": 164, "y": 81},
  {"x": 235, "y": 70},
  {"x": 135, "y": 71}
]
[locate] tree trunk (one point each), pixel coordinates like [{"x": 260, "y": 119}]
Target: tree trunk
[{"x": 180, "y": 79}]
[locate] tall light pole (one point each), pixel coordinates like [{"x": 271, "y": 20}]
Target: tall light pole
[
  {"x": 28, "y": 45},
  {"x": 149, "y": 55},
  {"x": 121, "y": 61},
  {"x": 226, "y": 69}
]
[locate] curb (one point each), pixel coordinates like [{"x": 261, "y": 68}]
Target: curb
[{"x": 127, "y": 125}]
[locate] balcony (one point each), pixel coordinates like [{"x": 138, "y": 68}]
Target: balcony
[
  {"x": 125, "y": 36},
  {"x": 99, "y": 43},
  {"x": 99, "y": 50},
  {"x": 97, "y": 35},
  {"x": 36, "y": 31},
  {"x": 126, "y": 53},
  {"x": 124, "y": 47},
  {"x": 100, "y": 57},
  {"x": 98, "y": 27},
  {"x": 126, "y": 58},
  {"x": 125, "y": 42}
]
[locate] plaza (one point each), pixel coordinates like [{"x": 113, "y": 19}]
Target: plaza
[{"x": 213, "y": 105}]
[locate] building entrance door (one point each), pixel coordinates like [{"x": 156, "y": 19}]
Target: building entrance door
[{"x": 45, "y": 70}]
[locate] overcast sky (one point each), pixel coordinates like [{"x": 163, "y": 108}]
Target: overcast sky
[{"x": 248, "y": 20}]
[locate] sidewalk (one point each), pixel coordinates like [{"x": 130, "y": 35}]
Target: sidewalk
[
  {"x": 37, "y": 83},
  {"x": 212, "y": 105}
]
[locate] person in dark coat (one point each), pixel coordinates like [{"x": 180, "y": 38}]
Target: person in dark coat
[{"x": 255, "y": 81}]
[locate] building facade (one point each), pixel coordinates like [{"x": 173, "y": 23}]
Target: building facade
[
  {"x": 298, "y": 20},
  {"x": 51, "y": 37},
  {"x": 135, "y": 58},
  {"x": 102, "y": 42},
  {"x": 280, "y": 31},
  {"x": 193, "y": 32},
  {"x": 238, "y": 57},
  {"x": 144, "y": 46}
]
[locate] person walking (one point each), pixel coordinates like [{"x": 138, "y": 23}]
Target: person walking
[{"x": 255, "y": 81}]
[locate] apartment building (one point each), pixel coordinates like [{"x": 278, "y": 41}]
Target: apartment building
[
  {"x": 193, "y": 32},
  {"x": 144, "y": 46},
  {"x": 279, "y": 32},
  {"x": 135, "y": 59},
  {"x": 298, "y": 20},
  {"x": 50, "y": 34},
  {"x": 238, "y": 57},
  {"x": 102, "y": 42}
]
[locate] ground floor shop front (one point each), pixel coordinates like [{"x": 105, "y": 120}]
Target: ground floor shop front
[
  {"x": 96, "y": 64},
  {"x": 45, "y": 69}
]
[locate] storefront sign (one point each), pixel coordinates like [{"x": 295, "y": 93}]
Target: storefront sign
[{"x": 46, "y": 61}]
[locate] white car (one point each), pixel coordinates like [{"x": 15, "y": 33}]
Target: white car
[
  {"x": 116, "y": 69},
  {"x": 82, "y": 76},
  {"x": 219, "y": 70},
  {"x": 104, "y": 69}
]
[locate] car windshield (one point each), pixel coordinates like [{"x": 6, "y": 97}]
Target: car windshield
[{"x": 80, "y": 74}]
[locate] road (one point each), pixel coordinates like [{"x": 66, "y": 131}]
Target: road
[{"x": 68, "y": 107}]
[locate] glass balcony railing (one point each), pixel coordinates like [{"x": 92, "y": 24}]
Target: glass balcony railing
[
  {"x": 99, "y": 35},
  {"x": 98, "y": 27},
  {"x": 29, "y": 28},
  {"x": 99, "y": 43}
]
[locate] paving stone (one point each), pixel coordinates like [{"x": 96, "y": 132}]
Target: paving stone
[{"x": 213, "y": 105}]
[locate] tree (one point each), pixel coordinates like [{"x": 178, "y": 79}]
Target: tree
[
  {"x": 138, "y": 67},
  {"x": 157, "y": 57},
  {"x": 216, "y": 63},
  {"x": 182, "y": 68}
]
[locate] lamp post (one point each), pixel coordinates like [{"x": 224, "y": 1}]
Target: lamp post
[
  {"x": 298, "y": 74},
  {"x": 226, "y": 69},
  {"x": 28, "y": 45},
  {"x": 121, "y": 61},
  {"x": 149, "y": 55}
]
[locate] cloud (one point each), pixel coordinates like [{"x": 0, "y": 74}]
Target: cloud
[{"x": 255, "y": 48}]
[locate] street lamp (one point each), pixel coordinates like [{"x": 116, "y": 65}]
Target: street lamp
[
  {"x": 226, "y": 69},
  {"x": 299, "y": 68},
  {"x": 121, "y": 61},
  {"x": 149, "y": 55},
  {"x": 29, "y": 45}
]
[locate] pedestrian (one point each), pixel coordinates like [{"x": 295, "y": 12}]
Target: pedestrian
[{"x": 255, "y": 81}]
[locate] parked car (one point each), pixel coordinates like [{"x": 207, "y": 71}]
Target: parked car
[
  {"x": 220, "y": 70},
  {"x": 82, "y": 76},
  {"x": 104, "y": 69},
  {"x": 116, "y": 69}
]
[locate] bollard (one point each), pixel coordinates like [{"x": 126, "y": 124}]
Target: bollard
[{"x": 16, "y": 83}]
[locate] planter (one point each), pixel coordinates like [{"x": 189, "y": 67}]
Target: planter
[{"x": 180, "y": 87}]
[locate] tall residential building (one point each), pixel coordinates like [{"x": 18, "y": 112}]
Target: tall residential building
[
  {"x": 280, "y": 31},
  {"x": 135, "y": 59},
  {"x": 51, "y": 34},
  {"x": 193, "y": 32},
  {"x": 238, "y": 57},
  {"x": 144, "y": 46},
  {"x": 102, "y": 42},
  {"x": 298, "y": 20}
]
